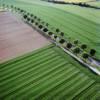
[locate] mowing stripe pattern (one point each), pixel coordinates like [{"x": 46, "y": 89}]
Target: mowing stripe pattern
[{"x": 42, "y": 75}]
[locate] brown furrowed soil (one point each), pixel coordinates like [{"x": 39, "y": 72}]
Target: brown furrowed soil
[{"x": 17, "y": 38}]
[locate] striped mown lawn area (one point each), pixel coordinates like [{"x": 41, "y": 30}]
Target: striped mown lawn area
[
  {"x": 93, "y": 92},
  {"x": 44, "y": 74}
]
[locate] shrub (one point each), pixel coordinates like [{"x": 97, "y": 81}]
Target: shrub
[
  {"x": 21, "y": 11},
  {"x": 69, "y": 45},
  {"x": 18, "y": 9},
  {"x": 76, "y": 42},
  {"x": 83, "y": 46},
  {"x": 62, "y": 41},
  {"x": 36, "y": 23},
  {"x": 45, "y": 29},
  {"x": 55, "y": 36},
  {"x": 32, "y": 21},
  {"x": 31, "y": 15},
  {"x": 47, "y": 24},
  {"x": 57, "y": 30},
  {"x": 39, "y": 19},
  {"x": 35, "y": 17},
  {"x": 28, "y": 19},
  {"x": 92, "y": 52},
  {"x": 12, "y": 6},
  {"x": 25, "y": 16},
  {"x": 62, "y": 34},
  {"x": 77, "y": 50},
  {"x": 50, "y": 33},
  {"x": 85, "y": 55},
  {"x": 40, "y": 26}
]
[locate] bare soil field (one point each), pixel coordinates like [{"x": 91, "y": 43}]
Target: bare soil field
[{"x": 17, "y": 38}]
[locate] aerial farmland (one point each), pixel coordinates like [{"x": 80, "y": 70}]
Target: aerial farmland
[{"x": 49, "y": 49}]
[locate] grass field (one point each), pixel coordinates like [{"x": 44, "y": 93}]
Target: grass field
[
  {"x": 47, "y": 74},
  {"x": 74, "y": 0},
  {"x": 97, "y": 3},
  {"x": 81, "y": 23}
]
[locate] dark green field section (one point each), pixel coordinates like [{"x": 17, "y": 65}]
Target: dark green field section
[
  {"x": 92, "y": 92},
  {"x": 46, "y": 74}
]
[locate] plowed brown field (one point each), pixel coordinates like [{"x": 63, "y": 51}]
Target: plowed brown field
[{"x": 17, "y": 38}]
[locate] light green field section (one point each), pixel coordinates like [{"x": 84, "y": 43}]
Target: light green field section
[
  {"x": 97, "y": 3},
  {"x": 75, "y": 0},
  {"x": 87, "y": 13},
  {"x": 46, "y": 74}
]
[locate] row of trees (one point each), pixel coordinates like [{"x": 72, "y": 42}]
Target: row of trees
[{"x": 58, "y": 36}]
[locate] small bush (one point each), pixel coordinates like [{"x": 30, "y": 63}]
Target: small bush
[
  {"x": 45, "y": 30},
  {"x": 50, "y": 33},
  {"x": 62, "y": 41},
  {"x": 40, "y": 26},
  {"x": 69, "y": 45}
]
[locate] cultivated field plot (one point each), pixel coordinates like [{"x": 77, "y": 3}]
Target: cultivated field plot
[
  {"x": 96, "y": 3},
  {"x": 17, "y": 38},
  {"x": 46, "y": 74},
  {"x": 76, "y": 22}
]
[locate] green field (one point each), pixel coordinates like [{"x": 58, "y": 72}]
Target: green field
[
  {"x": 47, "y": 74},
  {"x": 76, "y": 22},
  {"x": 97, "y": 3}
]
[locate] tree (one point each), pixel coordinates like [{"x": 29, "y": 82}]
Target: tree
[
  {"x": 24, "y": 12},
  {"x": 47, "y": 24},
  {"x": 80, "y": 4},
  {"x": 28, "y": 19},
  {"x": 77, "y": 50},
  {"x": 39, "y": 19},
  {"x": 12, "y": 6},
  {"x": 62, "y": 41},
  {"x": 69, "y": 45},
  {"x": 3, "y": 5},
  {"x": 45, "y": 29},
  {"x": 35, "y": 17},
  {"x": 50, "y": 33},
  {"x": 21, "y": 10},
  {"x": 40, "y": 26},
  {"x": 83, "y": 46},
  {"x": 55, "y": 36},
  {"x": 57, "y": 30},
  {"x": 92, "y": 52},
  {"x": 18, "y": 9},
  {"x": 15, "y": 8},
  {"x": 32, "y": 21},
  {"x": 62, "y": 34},
  {"x": 28, "y": 14},
  {"x": 85, "y": 56},
  {"x": 31, "y": 15},
  {"x": 76, "y": 42},
  {"x": 43, "y": 22},
  {"x": 36, "y": 23},
  {"x": 25, "y": 16}
]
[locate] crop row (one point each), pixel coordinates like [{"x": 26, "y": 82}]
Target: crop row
[{"x": 45, "y": 74}]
